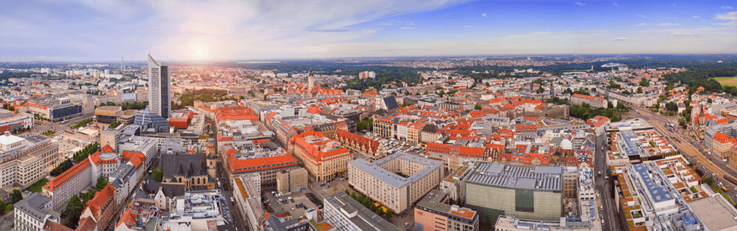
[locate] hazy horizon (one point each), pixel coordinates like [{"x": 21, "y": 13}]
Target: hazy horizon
[{"x": 92, "y": 31}]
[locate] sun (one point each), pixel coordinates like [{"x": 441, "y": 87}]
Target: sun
[{"x": 200, "y": 53}]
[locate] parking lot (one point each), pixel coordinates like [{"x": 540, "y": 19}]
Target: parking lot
[{"x": 393, "y": 145}]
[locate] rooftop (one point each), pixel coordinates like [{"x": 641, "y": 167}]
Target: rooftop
[
  {"x": 389, "y": 177},
  {"x": 358, "y": 214},
  {"x": 514, "y": 176}
]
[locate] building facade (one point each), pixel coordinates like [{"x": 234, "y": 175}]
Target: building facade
[
  {"x": 372, "y": 149},
  {"x": 396, "y": 181},
  {"x": 159, "y": 88},
  {"x": 525, "y": 192},
  {"x": 323, "y": 158},
  {"x": 435, "y": 213},
  {"x": 345, "y": 213}
]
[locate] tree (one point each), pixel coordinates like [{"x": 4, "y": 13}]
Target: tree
[
  {"x": 347, "y": 192},
  {"x": 639, "y": 90},
  {"x": 157, "y": 174},
  {"x": 708, "y": 100},
  {"x": 16, "y": 196},
  {"x": 366, "y": 202},
  {"x": 3, "y": 207},
  {"x": 372, "y": 207},
  {"x": 380, "y": 211},
  {"x": 101, "y": 183},
  {"x": 477, "y": 107},
  {"x": 671, "y": 106},
  {"x": 74, "y": 210},
  {"x": 644, "y": 82},
  {"x": 88, "y": 196},
  {"x": 353, "y": 194},
  {"x": 540, "y": 90},
  {"x": 388, "y": 214}
]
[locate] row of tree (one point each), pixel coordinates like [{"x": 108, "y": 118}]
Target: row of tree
[
  {"x": 366, "y": 202},
  {"x": 81, "y": 123},
  {"x": 85, "y": 152}
]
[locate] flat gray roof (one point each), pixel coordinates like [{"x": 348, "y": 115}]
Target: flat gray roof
[
  {"x": 392, "y": 178},
  {"x": 515, "y": 176},
  {"x": 715, "y": 212},
  {"x": 365, "y": 218}
]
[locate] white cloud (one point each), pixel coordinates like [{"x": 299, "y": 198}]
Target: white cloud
[
  {"x": 641, "y": 24},
  {"x": 615, "y": 3},
  {"x": 725, "y": 7},
  {"x": 526, "y": 36},
  {"x": 695, "y": 16},
  {"x": 684, "y": 34},
  {"x": 620, "y": 39},
  {"x": 730, "y": 18},
  {"x": 668, "y": 24},
  {"x": 580, "y": 3},
  {"x": 484, "y": 14}
]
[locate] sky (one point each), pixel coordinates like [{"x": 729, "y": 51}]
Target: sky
[{"x": 102, "y": 31}]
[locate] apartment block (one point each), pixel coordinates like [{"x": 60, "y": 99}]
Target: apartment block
[{"x": 396, "y": 181}]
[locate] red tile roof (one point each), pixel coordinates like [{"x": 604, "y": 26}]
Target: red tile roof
[
  {"x": 257, "y": 164},
  {"x": 67, "y": 175},
  {"x": 313, "y": 151},
  {"x": 100, "y": 201}
]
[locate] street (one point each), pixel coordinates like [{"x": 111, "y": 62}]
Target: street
[{"x": 711, "y": 166}]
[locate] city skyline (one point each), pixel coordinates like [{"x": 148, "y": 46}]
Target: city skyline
[{"x": 86, "y": 31}]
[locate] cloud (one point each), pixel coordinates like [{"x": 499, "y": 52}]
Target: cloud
[
  {"x": 620, "y": 39},
  {"x": 580, "y": 3},
  {"x": 668, "y": 24},
  {"x": 642, "y": 16},
  {"x": 684, "y": 34},
  {"x": 641, "y": 24},
  {"x": 190, "y": 30},
  {"x": 695, "y": 16},
  {"x": 725, "y": 7},
  {"x": 615, "y": 4},
  {"x": 526, "y": 36},
  {"x": 730, "y": 18},
  {"x": 337, "y": 30},
  {"x": 484, "y": 14}
]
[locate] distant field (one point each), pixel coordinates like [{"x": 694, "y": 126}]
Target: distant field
[{"x": 726, "y": 81}]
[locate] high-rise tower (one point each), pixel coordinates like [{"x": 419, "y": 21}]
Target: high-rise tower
[
  {"x": 159, "y": 88},
  {"x": 310, "y": 81}
]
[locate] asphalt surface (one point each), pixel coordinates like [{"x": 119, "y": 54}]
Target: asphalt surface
[{"x": 609, "y": 212}]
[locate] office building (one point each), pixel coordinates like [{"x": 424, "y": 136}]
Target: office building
[
  {"x": 108, "y": 114},
  {"x": 526, "y": 192},
  {"x": 69, "y": 183},
  {"x": 396, "y": 181},
  {"x": 345, "y": 213},
  {"x": 291, "y": 180},
  {"x": 23, "y": 161},
  {"x": 435, "y": 212},
  {"x": 33, "y": 212},
  {"x": 159, "y": 88},
  {"x": 324, "y": 158}
]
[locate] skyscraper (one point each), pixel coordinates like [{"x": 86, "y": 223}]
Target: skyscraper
[
  {"x": 159, "y": 88},
  {"x": 310, "y": 81}
]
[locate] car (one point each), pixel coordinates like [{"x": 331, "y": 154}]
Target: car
[{"x": 292, "y": 208}]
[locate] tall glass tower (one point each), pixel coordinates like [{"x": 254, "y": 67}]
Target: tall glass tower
[{"x": 159, "y": 88}]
